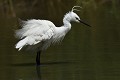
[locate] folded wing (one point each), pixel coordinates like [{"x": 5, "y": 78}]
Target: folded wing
[{"x": 34, "y": 31}]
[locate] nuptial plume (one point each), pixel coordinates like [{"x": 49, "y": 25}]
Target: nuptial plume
[{"x": 73, "y": 9}]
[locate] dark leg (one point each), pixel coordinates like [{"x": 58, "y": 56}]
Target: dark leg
[{"x": 38, "y": 58}]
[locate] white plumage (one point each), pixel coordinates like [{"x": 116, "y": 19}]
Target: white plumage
[
  {"x": 39, "y": 31},
  {"x": 38, "y": 35},
  {"x": 34, "y": 31}
]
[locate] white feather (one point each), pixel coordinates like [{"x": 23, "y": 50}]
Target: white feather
[
  {"x": 21, "y": 43},
  {"x": 40, "y": 34},
  {"x": 34, "y": 32}
]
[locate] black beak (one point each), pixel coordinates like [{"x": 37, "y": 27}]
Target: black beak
[{"x": 84, "y": 23}]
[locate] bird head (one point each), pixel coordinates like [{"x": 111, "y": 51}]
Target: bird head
[{"x": 72, "y": 16}]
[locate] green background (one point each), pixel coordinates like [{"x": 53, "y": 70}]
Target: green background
[{"x": 86, "y": 53}]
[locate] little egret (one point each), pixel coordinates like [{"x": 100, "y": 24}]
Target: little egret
[{"x": 38, "y": 35}]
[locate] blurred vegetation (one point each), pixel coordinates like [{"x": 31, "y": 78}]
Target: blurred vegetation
[
  {"x": 50, "y": 9},
  {"x": 46, "y": 9},
  {"x": 27, "y": 9}
]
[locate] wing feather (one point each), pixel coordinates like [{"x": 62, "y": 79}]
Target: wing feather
[
  {"x": 35, "y": 28},
  {"x": 36, "y": 31}
]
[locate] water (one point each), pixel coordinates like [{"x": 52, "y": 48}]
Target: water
[{"x": 85, "y": 53}]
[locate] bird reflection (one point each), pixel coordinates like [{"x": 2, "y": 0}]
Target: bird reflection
[
  {"x": 38, "y": 71},
  {"x": 38, "y": 68}
]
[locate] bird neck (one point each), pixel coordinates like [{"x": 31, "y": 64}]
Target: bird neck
[{"x": 66, "y": 22}]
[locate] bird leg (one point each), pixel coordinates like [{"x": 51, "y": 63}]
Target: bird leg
[{"x": 38, "y": 58}]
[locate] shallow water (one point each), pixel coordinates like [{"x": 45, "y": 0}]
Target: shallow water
[{"x": 86, "y": 53}]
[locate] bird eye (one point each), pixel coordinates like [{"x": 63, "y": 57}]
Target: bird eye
[{"x": 76, "y": 18}]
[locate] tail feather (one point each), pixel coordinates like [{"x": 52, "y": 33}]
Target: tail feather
[{"x": 21, "y": 43}]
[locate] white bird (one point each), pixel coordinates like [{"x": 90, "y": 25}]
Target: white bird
[{"x": 38, "y": 35}]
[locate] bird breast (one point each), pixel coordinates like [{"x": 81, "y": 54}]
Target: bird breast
[{"x": 60, "y": 33}]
